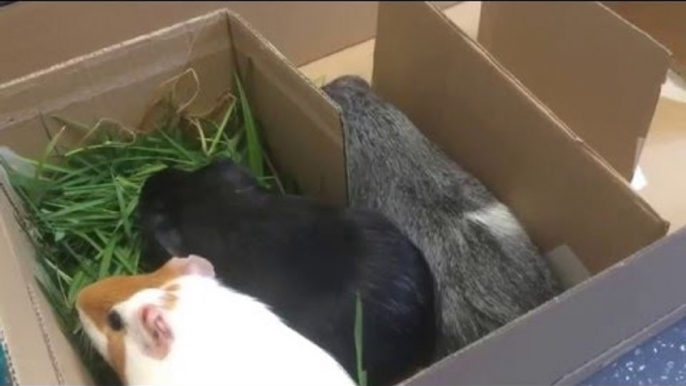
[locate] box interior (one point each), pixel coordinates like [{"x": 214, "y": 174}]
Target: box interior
[
  {"x": 120, "y": 83},
  {"x": 565, "y": 194}
]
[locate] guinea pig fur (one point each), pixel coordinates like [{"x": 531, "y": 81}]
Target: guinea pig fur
[
  {"x": 306, "y": 260},
  {"x": 181, "y": 326},
  {"x": 487, "y": 270}
]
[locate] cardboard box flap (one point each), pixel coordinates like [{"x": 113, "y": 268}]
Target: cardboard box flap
[
  {"x": 546, "y": 349},
  {"x": 564, "y": 194},
  {"x": 597, "y": 72},
  {"x": 19, "y": 317},
  {"x": 663, "y": 20},
  {"x": 120, "y": 83},
  {"x": 282, "y": 94}
]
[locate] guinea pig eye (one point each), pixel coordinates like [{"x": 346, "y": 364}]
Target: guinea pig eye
[{"x": 114, "y": 321}]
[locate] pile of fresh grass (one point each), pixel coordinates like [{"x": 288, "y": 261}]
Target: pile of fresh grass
[{"x": 80, "y": 203}]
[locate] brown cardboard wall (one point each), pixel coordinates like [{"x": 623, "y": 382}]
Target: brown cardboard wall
[
  {"x": 36, "y": 35},
  {"x": 600, "y": 75},
  {"x": 664, "y": 20},
  {"x": 557, "y": 344},
  {"x": 471, "y": 106}
]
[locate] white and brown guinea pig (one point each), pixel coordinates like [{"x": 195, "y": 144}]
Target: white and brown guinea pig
[{"x": 180, "y": 326}]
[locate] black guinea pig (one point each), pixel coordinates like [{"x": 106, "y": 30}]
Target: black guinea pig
[{"x": 306, "y": 260}]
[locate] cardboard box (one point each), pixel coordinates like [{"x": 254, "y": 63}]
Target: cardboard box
[
  {"x": 578, "y": 210},
  {"x": 567, "y": 55},
  {"x": 608, "y": 79},
  {"x": 37, "y": 35}
]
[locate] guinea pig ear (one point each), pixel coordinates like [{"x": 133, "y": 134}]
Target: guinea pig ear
[
  {"x": 195, "y": 265},
  {"x": 158, "y": 331}
]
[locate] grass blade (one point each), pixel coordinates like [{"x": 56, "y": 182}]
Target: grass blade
[
  {"x": 361, "y": 372},
  {"x": 255, "y": 161},
  {"x": 106, "y": 261}
]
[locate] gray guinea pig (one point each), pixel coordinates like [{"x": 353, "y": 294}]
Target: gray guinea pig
[{"x": 487, "y": 270}]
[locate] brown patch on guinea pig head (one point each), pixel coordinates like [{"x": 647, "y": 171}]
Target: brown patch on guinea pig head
[{"x": 106, "y": 327}]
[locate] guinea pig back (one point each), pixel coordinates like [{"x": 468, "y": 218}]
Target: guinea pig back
[
  {"x": 487, "y": 270},
  {"x": 306, "y": 260}
]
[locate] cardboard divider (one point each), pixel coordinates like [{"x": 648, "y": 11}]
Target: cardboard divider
[
  {"x": 663, "y": 20},
  {"x": 604, "y": 63},
  {"x": 484, "y": 119},
  {"x": 598, "y": 74},
  {"x": 306, "y": 133}
]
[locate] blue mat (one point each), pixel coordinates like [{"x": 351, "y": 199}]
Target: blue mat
[
  {"x": 4, "y": 372},
  {"x": 659, "y": 361}
]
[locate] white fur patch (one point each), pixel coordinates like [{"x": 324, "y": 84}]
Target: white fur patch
[
  {"x": 497, "y": 218},
  {"x": 224, "y": 337},
  {"x": 98, "y": 339}
]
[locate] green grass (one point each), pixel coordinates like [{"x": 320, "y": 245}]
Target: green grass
[
  {"x": 361, "y": 372},
  {"x": 80, "y": 203}
]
